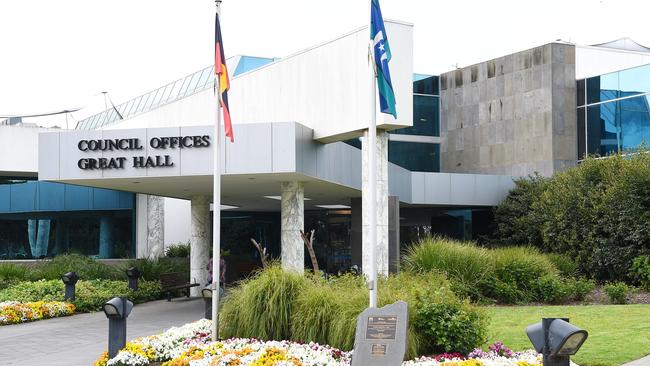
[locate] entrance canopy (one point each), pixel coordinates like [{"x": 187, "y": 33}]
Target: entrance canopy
[{"x": 177, "y": 162}]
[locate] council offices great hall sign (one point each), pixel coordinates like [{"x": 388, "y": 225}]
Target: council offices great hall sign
[{"x": 135, "y": 144}]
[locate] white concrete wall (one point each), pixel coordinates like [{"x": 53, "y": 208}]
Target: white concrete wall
[
  {"x": 325, "y": 88},
  {"x": 19, "y": 149},
  {"x": 177, "y": 221},
  {"x": 594, "y": 61}
]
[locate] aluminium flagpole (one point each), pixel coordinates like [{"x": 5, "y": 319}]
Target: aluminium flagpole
[
  {"x": 372, "y": 175},
  {"x": 216, "y": 202}
]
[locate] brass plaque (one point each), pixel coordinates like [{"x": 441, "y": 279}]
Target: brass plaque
[
  {"x": 381, "y": 327},
  {"x": 378, "y": 350}
]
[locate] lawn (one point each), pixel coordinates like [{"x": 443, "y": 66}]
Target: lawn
[{"x": 617, "y": 333}]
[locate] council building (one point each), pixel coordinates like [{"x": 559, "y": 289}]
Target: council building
[{"x": 135, "y": 179}]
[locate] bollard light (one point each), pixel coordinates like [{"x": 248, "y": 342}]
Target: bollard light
[
  {"x": 206, "y": 293},
  {"x": 133, "y": 274},
  {"x": 117, "y": 310},
  {"x": 70, "y": 280},
  {"x": 556, "y": 339}
]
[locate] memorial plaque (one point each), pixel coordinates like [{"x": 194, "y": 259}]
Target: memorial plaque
[{"x": 380, "y": 339}]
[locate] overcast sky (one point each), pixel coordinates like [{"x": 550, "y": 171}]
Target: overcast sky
[{"x": 62, "y": 54}]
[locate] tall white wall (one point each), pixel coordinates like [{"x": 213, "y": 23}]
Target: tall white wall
[
  {"x": 19, "y": 149},
  {"x": 325, "y": 88}
]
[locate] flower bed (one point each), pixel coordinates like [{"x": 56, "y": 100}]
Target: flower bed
[
  {"x": 190, "y": 345},
  {"x": 13, "y": 312}
]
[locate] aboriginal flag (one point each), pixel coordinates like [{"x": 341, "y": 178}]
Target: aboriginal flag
[{"x": 221, "y": 73}]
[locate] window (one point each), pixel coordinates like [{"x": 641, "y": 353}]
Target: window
[{"x": 417, "y": 157}]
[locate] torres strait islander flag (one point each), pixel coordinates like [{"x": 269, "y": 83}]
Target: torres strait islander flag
[
  {"x": 382, "y": 58},
  {"x": 221, "y": 73}
]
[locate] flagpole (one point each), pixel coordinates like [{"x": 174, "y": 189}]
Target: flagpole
[
  {"x": 372, "y": 175},
  {"x": 216, "y": 203}
]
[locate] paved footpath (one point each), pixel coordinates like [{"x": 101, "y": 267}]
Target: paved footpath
[
  {"x": 78, "y": 340},
  {"x": 645, "y": 361}
]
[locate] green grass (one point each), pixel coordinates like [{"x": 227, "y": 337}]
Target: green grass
[{"x": 617, "y": 333}]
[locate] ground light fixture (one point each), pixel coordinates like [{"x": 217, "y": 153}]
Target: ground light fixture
[
  {"x": 70, "y": 280},
  {"x": 117, "y": 310},
  {"x": 556, "y": 339},
  {"x": 133, "y": 274},
  {"x": 206, "y": 294}
]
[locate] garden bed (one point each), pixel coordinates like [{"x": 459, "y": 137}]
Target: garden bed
[
  {"x": 190, "y": 345},
  {"x": 14, "y": 312}
]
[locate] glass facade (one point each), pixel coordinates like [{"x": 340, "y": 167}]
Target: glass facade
[
  {"x": 458, "y": 223},
  {"x": 418, "y": 156},
  {"x": 43, "y": 219},
  {"x": 331, "y": 240},
  {"x": 613, "y": 112}
]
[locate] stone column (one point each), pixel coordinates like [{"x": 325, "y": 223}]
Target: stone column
[
  {"x": 199, "y": 242},
  {"x": 105, "y": 237},
  {"x": 382, "y": 204},
  {"x": 292, "y": 217},
  {"x": 155, "y": 226}
]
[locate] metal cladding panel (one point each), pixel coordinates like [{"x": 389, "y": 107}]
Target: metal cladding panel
[
  {"x": 254, "y": 154},
  {"x": 24, "y": 197},
  {"x": 48, "y": 151},
  {"x": 195, "y": 161},
  {"x": 326, "y": 88},
  {"x": 437, "y": 188},
  {"x": 77, "y": 197},
  {"x": 51, "y": 196},
  {"x": 463, "y": 188},
  {"x": 284, "y": 147}
]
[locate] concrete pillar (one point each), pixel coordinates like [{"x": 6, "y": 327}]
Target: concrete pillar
[
  {"x": 106, "y": 237},
  {"x": 292, "y": 218},
  {"x": 382, "y": 204},
  {"x": 155, "y": 226},
  {"x": 199, "y": 242}
]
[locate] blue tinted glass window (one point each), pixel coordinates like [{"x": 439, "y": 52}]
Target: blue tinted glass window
[
  {"x": 427, "y": 86},
  {"x": 413, "y": 156},
  {"x": 580, "y": 89},
  {"x": 143, "y": 103},
  {"x": 426, "y": 117},
  {"x": 635, "y": 81},
  {"x": 152, "y": 96},
  {"x": 158, "y": 97},
  {"x": 127, "y": 108},
  {"x": 618, "y": 125},
  {"x": 186, "y": 84},
  {"x": 193, "y": 83}
]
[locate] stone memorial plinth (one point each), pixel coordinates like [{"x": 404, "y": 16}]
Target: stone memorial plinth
[{"x": 380, "y": 339}]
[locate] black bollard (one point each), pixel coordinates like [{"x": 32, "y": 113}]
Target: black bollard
[
  {"x": 117, "y": 310},
  {"x": 133, "y": 274},
  {"x": 70, "y": 280}
]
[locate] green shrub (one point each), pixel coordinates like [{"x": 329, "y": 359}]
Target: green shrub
[
  {"x": 564, "y": 264},
  {"x": 180, "y": 250},
  {"x": 462, "y": 262},
  {"x": 151, "y": 269},
  {"x": 90, "y": 295},
  {"x": 617, "y": 292},
  {"x": 553, "y": 290},
  {"x": 516, "y": 223},
  {"x": 581, "y": 287},
  {"x": 85, "y": 267},
  {"x": 640, "y": 271},
  {"x": 597, "y": 213},
  {"x": 274, "y": 304}
]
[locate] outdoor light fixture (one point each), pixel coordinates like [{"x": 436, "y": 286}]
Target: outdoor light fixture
[
  {"x": 70, "y": 280},
  {"x": 556, "y": 339},
  {"x": 206, "y": 293},
  {"x": 117, "y": 310},
  {"x": 133, "y": 274}
]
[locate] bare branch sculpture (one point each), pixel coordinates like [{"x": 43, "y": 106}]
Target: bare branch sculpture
[
  {"x": 262, "y": 251},
  {"x": 309, "y": 243}
]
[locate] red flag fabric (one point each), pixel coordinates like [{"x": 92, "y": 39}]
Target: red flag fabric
[{"x": 221, "y": 72}]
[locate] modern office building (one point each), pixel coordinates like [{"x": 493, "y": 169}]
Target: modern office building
[{"x": 138, "y": 178}]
